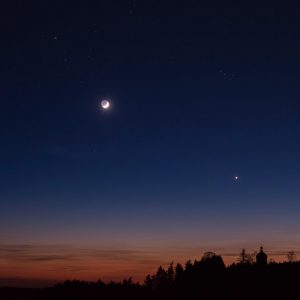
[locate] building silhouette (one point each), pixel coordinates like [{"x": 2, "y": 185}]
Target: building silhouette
[{"x": 261, "y": 257}]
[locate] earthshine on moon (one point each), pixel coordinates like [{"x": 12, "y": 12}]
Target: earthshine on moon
[{"x": 105, "y": 104}]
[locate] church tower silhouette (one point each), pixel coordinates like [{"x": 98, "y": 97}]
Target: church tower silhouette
[{"x": 261, "y": 257}]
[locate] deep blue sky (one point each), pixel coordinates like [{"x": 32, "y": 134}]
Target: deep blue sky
[{"x": 199, "y": 95}]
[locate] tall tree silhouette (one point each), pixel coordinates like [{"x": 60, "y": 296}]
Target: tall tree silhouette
[{"x": 245, "y": 258}]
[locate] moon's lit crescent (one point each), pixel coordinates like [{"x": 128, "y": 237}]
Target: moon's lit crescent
[{"x": 105, "y": 104}]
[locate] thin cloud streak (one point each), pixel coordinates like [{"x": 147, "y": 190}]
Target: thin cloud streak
[{"x": 42, "y": 253}]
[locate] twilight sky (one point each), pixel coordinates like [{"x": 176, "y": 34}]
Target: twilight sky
[{"x": 200, "y": 93}]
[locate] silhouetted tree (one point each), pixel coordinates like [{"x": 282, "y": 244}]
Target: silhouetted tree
[
  {"x": 127, "y": 282},
  {"x": 188, "y": 266},
  {"x": 161, "y": 278},
  {"x": 208, "y": 255},
  {"x": 170, "y": 273},
  {"x": 149, "y": 282},
  {"x": 179, "y": 273},
  {"x": 212, "y": 261},
  {"x": 291, "y": 257},
  {"x": 245, "y": 258}
]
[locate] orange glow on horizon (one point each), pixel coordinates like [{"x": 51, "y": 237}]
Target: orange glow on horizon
[{"x": 58, "y": 263}]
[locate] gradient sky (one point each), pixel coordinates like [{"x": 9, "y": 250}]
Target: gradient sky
[{"x": 200, "y": 93}]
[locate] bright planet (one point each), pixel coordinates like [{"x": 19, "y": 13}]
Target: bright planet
[{"x": 105, "y": 104}]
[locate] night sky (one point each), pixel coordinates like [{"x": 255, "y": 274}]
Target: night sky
[{"x": 199, "y": 94}]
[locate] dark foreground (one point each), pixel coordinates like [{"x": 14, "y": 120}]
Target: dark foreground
[{"x": 194, "y": 281}]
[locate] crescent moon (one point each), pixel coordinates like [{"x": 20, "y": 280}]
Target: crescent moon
[{"x": 105, "y": 104}]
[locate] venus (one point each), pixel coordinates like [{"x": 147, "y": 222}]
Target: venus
[{"x": 105, "y": 104}]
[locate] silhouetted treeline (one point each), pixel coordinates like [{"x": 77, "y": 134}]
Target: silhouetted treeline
[{"x": 207, "y": 278}]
